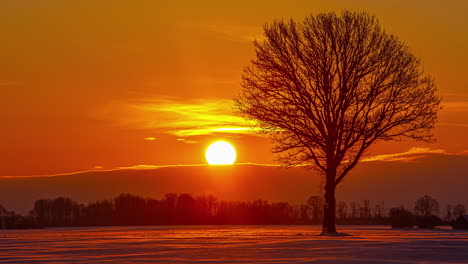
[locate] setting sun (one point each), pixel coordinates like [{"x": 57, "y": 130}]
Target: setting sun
[
  {"x": 158, "y": 131},
  {"x": 220, "y": 153}
]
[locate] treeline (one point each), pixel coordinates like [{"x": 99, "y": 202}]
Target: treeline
[
  {"x": 427, "y": 214},
  {"x": 186, "y": 209}
]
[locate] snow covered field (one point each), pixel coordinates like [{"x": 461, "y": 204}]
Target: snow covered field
[{"x": 232, "y": 244}]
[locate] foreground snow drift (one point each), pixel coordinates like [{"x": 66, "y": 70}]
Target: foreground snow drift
[{"x": 232, "y": 244}]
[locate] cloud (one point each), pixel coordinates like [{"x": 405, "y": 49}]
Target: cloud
[
  {"x": 176, "y": 116},
  {"x": 134, "y": 167},
  {"x": 188, "y": 141},
  {"x": 150, "y": 138},
  {"x": 413, "y": 153}
]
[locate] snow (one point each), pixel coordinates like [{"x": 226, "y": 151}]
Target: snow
[{"x": 233, "y": 244}]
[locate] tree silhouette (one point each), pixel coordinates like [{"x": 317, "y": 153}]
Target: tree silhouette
[
  {"x": 99, "y": 213},
  {"x": 3, "y": 213},
  {"x": 353, "y": 210},
  {"x": 458, "y": 210},
  {"x": 448, "y": 214},
  {"x": 315, "y": 204},
  {"x": 400, "y": 217},
  {"x": 426, "y": 206},
  {"x": 329, "y": 87},
  {"x": 342, "y": 210},
  {"x": 364, "y": 211},
  {"x": 42, "y": 208},
  {"x": 187, "y": 209}
]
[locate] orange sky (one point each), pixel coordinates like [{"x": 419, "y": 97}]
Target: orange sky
[{"x": 87, "y": 83}]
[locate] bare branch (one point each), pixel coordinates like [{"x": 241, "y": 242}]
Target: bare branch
[{"x": 329, "y": 87}]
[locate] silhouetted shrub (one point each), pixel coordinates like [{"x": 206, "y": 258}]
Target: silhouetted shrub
[
  {"x": 460, "y": 223},
  {"x": 427, "y": 221},
  {"x": 400, "y": 217}
]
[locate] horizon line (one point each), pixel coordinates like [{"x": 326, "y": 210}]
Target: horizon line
[
  {"x": 140, "y": 167},
  {"x": 415, "y": 153}
]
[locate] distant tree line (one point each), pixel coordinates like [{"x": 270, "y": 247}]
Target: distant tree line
[
  {"x": 427, "y": 214},
  {"x": 186, "y": 209}
]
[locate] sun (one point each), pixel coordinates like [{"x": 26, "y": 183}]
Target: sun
[{"x": 220, "y": 153}]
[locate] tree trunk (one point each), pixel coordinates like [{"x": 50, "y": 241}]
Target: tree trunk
[{"x": 329, "y": 208}]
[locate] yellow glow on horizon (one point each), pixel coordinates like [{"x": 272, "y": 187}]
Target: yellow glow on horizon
[{"x": 220, "y": 153}]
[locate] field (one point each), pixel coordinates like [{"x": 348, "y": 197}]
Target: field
[{"x": 232, "y": 244}]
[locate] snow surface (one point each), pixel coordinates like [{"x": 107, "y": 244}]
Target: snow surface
[{"x": 232, "y": 244}]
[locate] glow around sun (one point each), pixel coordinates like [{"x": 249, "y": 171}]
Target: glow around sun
[{"x": 220, "y": 153}]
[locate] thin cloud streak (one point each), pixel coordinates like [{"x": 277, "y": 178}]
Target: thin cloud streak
[
  {"x": 411, "y": 154},
  {"x": 137, "y": 167},
  {"x": 187, "y": 141},
  {"x": 177, "y": 117},
  {"x": 213, "y": 130}
]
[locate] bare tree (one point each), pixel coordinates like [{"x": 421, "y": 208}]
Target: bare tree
[
  {"x": 365, "y": 211},
  {"x": 342, "y": 210},
  {"x": 379, "y": 209},
  {"x": 353, "y": 210},
  {"x": 458, "y": 210},
  {"x": 327, "y": 88},
  {"x": 448, "y": 214},
  {"x": 426, "y": 205},
  {"x": 3, "y": 213},
  {"x": 315, "y": 203}
]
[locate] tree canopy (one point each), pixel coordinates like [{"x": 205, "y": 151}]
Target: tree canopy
[{"x": 327, "y": 88}]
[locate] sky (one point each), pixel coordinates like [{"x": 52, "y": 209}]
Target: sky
[
  {"x": 99, "y": 85},
  {"x": 390, "y": 181}
]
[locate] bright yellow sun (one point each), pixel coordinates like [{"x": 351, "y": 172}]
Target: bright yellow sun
[{"x": 220, "y": 153}]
